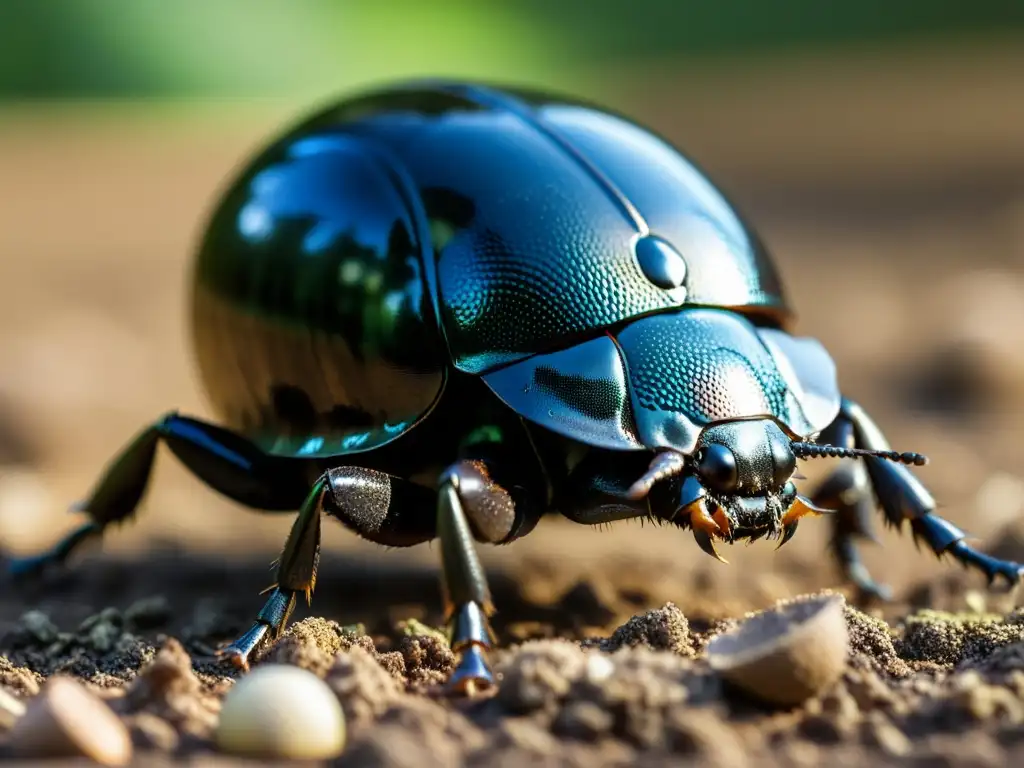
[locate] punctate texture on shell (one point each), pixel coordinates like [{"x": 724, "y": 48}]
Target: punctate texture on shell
[
  {"x": 787, "y": 654},
  {"x": 66, "y": 721},
  {"x": 281, "y": 711}
]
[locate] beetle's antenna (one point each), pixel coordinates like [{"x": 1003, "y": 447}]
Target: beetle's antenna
[
  {"x": 665, "y": 464},
  {"x": 815, "y": 451}
]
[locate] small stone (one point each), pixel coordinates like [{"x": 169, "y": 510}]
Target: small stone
[
  {"x": 843, "y": 707},
  {"x": 108, "y": 616},
  {"x": 705, "y": 734},
  {"x": 788, "y": 654},
  {"x": 1015, "y": 682},
  {"x": 148, "y": 613},
  {"x": 65, "y": 720},
  {"x": 10, "y": 709},
  {"x": 887, "y": 737},
  {"x": 985, "y": 702},
  {"x": 599, "y": 667},
  {"x": 151, "y": 732},
  {"x": 281, "y": 711},
  {"x": 869, "y": 690},
  {"x": 103, "y": 637},
  {"x": 584, "y": 720},
  {"x": 821, "y": 729},
  {"x": 37, "y": 626},
  {"x": 976, "y": 601}
]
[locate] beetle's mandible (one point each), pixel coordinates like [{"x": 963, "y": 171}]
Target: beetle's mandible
[{"x": 443, "y": 309}]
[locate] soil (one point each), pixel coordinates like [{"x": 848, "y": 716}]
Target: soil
[{"x": 906, "y": 265}]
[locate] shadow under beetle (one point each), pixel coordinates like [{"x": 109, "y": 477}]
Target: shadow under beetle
[{"x": 440, "y": 310}]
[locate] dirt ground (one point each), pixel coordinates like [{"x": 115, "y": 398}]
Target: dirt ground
[{"x": 894, "y": 200}]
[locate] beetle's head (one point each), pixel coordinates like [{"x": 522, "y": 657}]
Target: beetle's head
[{"x": 738, "y": 482}]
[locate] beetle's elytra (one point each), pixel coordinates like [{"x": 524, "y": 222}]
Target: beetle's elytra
[{"x": 442, "y": 310}]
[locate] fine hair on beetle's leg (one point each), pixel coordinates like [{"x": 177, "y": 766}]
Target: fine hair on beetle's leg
[
  {"x": 296, "y": 572},
  {"x": 370, "y": 503}
]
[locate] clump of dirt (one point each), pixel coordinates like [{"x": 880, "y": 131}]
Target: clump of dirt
[
  {"x": 944, "y": 638},
  {"x": 872, "y": 645},
  {"x": 663, "y": 629},
  {"x": 103, "y": 650},
  {"x": 167, "y": 704},
  {"x": 312, "y": 644}
]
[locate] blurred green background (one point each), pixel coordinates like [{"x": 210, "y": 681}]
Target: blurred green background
[{"x": 189, "y": 48}]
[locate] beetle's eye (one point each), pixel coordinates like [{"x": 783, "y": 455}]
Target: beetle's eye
[
  {"x": 716, "y": 466},
  {"x": 785, "y": 466}
]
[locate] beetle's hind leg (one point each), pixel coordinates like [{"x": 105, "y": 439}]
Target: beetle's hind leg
[
  {"x": 225, "y": 461},
  {"x": 904, "y": 498}
]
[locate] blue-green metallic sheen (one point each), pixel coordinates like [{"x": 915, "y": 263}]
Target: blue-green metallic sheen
[
  {"x": 435, "y": 229},
  {"x": 659, "y": 381}
]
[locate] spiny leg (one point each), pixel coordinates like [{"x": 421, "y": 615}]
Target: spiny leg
[
  {"x": 296, "y": 572},
  {"x": 467, "y": 493},
  {"x": 904, "y": 498},
  {"x": 395, "y": 512},
  {"x": 369, "y": 502},
  {"x": 227, "y": 462}
]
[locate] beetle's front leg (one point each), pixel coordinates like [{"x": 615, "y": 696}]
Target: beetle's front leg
[{"x": 904, "y": 498}]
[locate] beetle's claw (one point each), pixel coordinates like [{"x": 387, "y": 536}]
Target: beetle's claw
[
  {"x": 788, "y": 532},
  {"x": 234, "y": 656},
  {"x": 238, "y": 652},
  {"x": 472, "y": 675},
  {"x": 1010, "y": 572},
  {"x": 802, "y": 507},
  {"x": 705, "y": 542}
]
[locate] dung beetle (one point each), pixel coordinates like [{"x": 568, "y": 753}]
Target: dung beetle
[{"x": 443, "y": 309}]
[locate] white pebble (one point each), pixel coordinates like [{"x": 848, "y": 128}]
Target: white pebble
[
  {"x": 10, "y": 709},
  {"x": 66, "y": 720},
  {"x": 599, "y": 667},
  {"x": 281, "y": 711}
]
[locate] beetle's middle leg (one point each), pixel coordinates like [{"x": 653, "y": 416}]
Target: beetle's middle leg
[
  {"x": 901, "y": 495},
  {"x": 392, "y": 511}
]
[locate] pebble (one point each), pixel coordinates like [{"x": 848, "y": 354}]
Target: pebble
[
  {"x": 281, "y": 711},
  {"x": 66, "y": 720},
  {"x": 886, "y": 736},
  {"x": 787, "y": 654},
  {"x": 10, "y": 709},
  {"x": 599, "y": 667}
]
